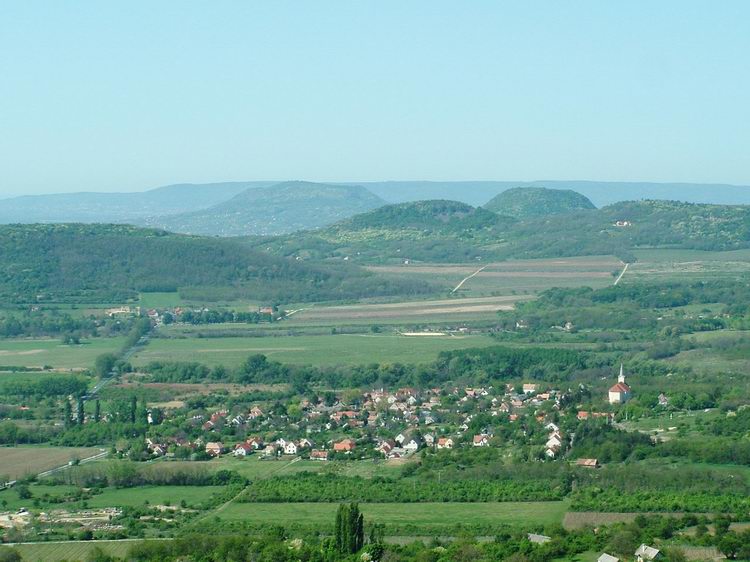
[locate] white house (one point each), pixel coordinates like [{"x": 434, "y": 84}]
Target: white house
[
  {"x": 445, "y": 443},
  {"x": 481, "y": 441},
  {"x": 412, "y": 444},
  {"x": 646, "y": 553},
  {"x": 242, "y": 449}
]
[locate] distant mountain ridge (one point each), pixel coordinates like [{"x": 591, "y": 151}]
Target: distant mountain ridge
[
  {"x": 119, "y": 207},
  {"x": 160, "y": 206},
  {"x": 601, "y": 193},
  {"x": 525, "y": 202},
  {"x": 272, "y": 210}
]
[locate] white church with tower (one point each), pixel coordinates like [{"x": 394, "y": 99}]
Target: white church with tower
[{"x": 620, "y": 393}]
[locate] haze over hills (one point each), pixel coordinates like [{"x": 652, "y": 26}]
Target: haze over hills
[
  {"x": 236, "y": 208},
  {"x": 277, "y": 209},
  {"x": 600, "y": 193},
  {"x": 524, "y": 202},
  {"x": 119, "y": 207}
]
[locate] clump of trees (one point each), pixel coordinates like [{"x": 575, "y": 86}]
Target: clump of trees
[
  {"x": 349, "y": 529},
  {"x": 497, "y": 363}
]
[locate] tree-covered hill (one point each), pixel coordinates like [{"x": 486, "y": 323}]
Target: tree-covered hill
[
  {"x": 619, "y": 228},
  {"x": 114, "y": 262},
  {"x": 444, "y": 231},
  {"x": 276, "y": 209},
  {"x": 436, "y": 230},
  {"x": 421, "y": 217},
  {"x": 526, "y": 202}
]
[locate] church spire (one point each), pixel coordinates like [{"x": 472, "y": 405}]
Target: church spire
[{"x": 621, "y": 378}]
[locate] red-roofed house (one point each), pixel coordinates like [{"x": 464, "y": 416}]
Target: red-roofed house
[{"x": 344, "y": 446}]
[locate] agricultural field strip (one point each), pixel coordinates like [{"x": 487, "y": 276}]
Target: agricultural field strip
[
  {"x": 413, "y": 308},
  {"x": 318, "y": 349},
  {"x": 20, "y": 461},
  {"x": 593, "y": 263},
  {"x": 439, "y": 514}
]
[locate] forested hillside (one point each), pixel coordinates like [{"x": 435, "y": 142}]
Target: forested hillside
[
  {"x": 114, "y": 262},
  {"x": 436, "y": 230},
  {"x": 525, "y": 202},
  {"x": 446, "y": 231}
]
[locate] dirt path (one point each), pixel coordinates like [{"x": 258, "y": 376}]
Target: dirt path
[
  {"x": 67, "y": 466},
  {"x": 624, "y": 269},
  {"x": 227, "y": 503},
  {"x": 465, "y": 279}
]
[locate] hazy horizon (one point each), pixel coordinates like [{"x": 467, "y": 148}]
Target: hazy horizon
[{"x": 521, "y": 183}]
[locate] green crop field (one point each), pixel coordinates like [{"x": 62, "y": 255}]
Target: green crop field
[
  {"x": 51, "y": 352},
  {"x": 432, "y": 515},
  {"x": 73, "y": 550},
  {"x": 20, "y": 461},
  {"x": 316, "y": 350},
  {"x": 154, "y": 495},
  {"x": 159, "y": 300}
]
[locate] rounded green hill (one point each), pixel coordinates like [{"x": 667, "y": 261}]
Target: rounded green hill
[{"x": 524, "y": 202}]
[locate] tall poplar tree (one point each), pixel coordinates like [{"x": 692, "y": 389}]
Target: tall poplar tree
[
  {"x": 350, "y": 529},
  {"x": 67, "y": 413}
]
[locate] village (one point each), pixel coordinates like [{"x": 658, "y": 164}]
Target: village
[{"x": 538, "y": 423}]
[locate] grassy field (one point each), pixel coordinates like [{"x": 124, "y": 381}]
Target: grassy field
[
  {"x": 159, "y": 300},
  {"x": 41, "y": 352},
  {"x": 73, "y": 551},
  {"x": 316, "y": 350},
  {"x": 402, "y": 514},
  {"x": 13, "y": 502},
  {"x": 20, "y": 461},
  {"x": 154, "y": 495}
]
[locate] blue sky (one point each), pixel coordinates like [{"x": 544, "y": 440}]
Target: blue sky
[{"x": 121, "y": 96}]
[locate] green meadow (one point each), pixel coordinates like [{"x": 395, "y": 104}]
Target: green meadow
[
  {"x": 316, "y": 350},
  {"x": 52, "y": 352},
  {"x": 154, "y": 495},
  {"x": 433, "y": 515}
]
